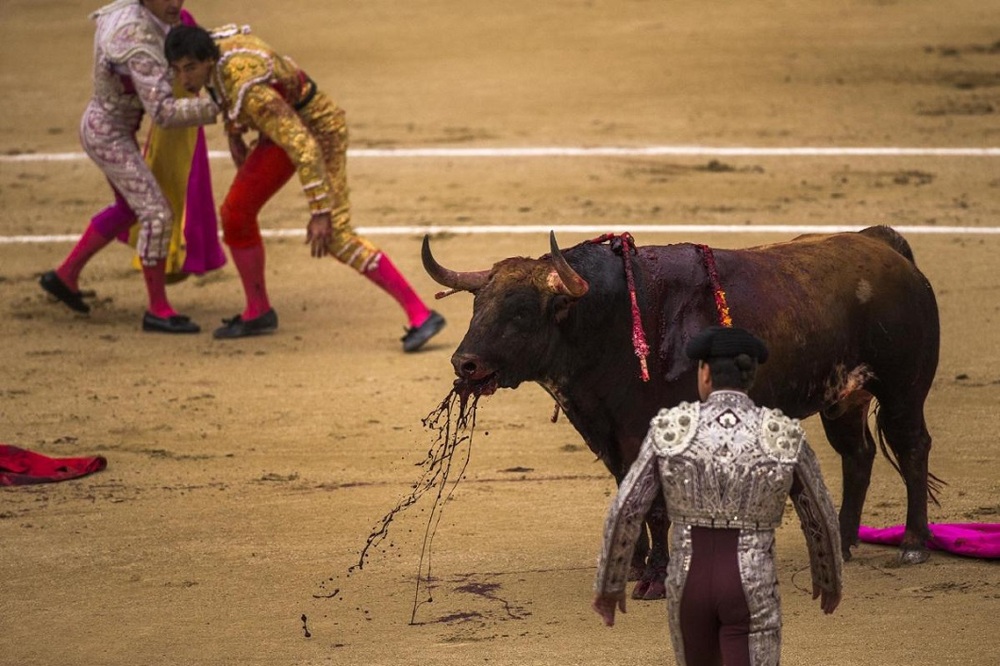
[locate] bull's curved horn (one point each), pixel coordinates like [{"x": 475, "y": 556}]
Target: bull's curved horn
[
  {"x": 572, "y": 283},
  {"x": 469, "y": 281}
]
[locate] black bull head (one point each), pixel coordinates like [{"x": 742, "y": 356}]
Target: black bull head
[{"x": 847, "y": 317}]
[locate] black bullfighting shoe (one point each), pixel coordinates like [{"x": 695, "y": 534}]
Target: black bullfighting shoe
[
  {"x": 172, "y": 324},
  {"x": 238, "y": 328},
  {"x": 73, "y": 299},
  {"x": 417, "y": 336}
]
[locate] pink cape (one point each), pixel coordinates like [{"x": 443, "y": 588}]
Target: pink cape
[
  {"x": 969, "y": 539},
  {"x": 178, "y": 158},
  {"x": 20, "y": 467}
]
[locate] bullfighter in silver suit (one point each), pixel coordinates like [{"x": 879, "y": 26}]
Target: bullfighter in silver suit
[
  {"x": 131, "y": 77},
  {"x": 725, "y": 467}
]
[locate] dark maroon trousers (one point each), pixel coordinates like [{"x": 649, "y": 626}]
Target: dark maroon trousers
[{"x": 714, "y": 617}]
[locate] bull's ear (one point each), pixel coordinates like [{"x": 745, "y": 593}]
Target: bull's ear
[
  {"x": 561, "y": 305},
  {"x": 557, "y": 285}
]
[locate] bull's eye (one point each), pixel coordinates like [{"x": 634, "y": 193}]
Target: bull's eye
[
  {"x": 521, "y": 318},
  {"x": 520, "y": 311}
]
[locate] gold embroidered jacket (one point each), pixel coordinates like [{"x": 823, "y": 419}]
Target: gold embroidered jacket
[{"x": 260, "y": 89}]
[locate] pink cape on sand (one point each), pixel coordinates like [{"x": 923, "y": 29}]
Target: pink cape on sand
[{"x": 970, "y": 539}]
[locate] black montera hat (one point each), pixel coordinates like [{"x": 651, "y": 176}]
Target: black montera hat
[{"x": 725, "y": 341}]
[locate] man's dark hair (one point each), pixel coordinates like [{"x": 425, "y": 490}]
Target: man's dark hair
[
  {"x": 732, "y": 355},
  {"x": 733, "y": 372},
  {"x": 190, "y": 41}
]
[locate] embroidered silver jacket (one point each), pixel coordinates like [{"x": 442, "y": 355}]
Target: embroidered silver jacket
[
  {"x": 131, "y": 73},
  {"x": 726, "y": 463}
]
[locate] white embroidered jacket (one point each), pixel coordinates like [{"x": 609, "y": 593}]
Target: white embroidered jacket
[
  {"x": 131, "y": 73},
  {"x": 726, "y": 463}
]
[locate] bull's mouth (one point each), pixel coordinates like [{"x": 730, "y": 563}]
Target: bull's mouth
[{"x": 477, "y": 388}]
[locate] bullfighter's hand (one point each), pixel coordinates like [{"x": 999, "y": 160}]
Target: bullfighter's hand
[
  {"x": 238, "y": 149},
  {"x": 319, "y": 233},
  {"x": 830, "y": 599},
  {"x": 604, "y": 605}
]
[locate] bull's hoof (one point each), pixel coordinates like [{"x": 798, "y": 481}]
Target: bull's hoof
[
  {"x": 649, "y": 589},
  {"x": 914, "y": 555},
  {"x": 639, "y": 591},
  {"x": 655, "y": 590}
]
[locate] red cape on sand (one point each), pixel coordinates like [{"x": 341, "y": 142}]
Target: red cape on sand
[{"x": 20, "y": 467}]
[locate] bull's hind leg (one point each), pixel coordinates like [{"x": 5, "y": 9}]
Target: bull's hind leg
[
  {"x": 846, "y": 426},
  {"x": 904, "y": 430}
]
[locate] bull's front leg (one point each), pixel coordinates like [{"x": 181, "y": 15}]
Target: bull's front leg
[{"x": 652, "y": 583}]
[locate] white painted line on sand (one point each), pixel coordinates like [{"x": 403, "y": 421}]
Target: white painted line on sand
[
  {"x": 608, "y": 151},
  {"x": 634, "y": 229}
]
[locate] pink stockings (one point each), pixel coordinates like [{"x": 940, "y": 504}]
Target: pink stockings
[
  {"x": 250, "y": 263},
  {"x": 103, "y": 228},
  {"x": 386, "y": 276}
]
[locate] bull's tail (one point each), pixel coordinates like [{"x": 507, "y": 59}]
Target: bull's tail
[
  {"x": 934, "y": 483},
  {"x": 890, "y": 237}
]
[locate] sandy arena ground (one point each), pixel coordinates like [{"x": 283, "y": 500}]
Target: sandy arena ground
[{"x": 244, "y": 477}]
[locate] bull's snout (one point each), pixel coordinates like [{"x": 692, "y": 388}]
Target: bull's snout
[{"x": 470, "y": 367}]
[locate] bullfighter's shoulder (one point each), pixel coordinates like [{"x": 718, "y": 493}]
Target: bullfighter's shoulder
[
  {"x": 781, "y": 435},
  {"x": 127, "y": 32},
  {"x": 673, "y": 428}
]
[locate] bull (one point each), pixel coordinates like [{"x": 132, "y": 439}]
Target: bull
[{"x": 848, "y": 318}]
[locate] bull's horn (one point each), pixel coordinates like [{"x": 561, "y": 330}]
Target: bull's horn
[
  {"x": 469, "y": 281},
  {"x": 572, "y": 284}
]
